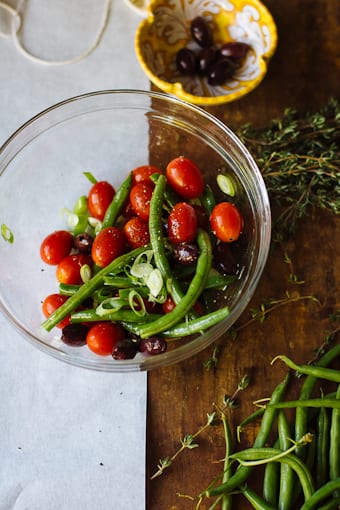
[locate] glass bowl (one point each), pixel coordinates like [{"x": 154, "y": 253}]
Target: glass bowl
[{"x": 108, "y": 133}]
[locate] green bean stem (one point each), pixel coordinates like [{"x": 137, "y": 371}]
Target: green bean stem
[
  {"x": 320, "y": 494},
  {"x": 195, "y": 288},
  {"x": 321, "y": 373},
  {"x": 241, "y": 475},
  {"x": 88, "y": 288},
  {"x": 286, "y": 474},
  {"x": 118, "y": 201}
]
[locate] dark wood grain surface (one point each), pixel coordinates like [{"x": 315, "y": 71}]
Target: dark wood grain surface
[{"x": 303, "y": 73}]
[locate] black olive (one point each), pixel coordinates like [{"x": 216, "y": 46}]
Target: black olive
[
  {"x": 220, "y": 71},
  {"x": 186, "y": 61},
  {"x": 205, "y": 58},
  {"x": 83, "y": 242},
  {"x": 124, "y": 349},
  {"x": 74, "y": 334},
  {"x": 201, "y": 32},
  {"x": 152, "y": 346},
  {"x": 185, "y": 253},
  {"x": 235, "y": 50}
]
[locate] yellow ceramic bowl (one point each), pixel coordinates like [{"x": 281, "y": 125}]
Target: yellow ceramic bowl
[{"x": 166, "y": 30}]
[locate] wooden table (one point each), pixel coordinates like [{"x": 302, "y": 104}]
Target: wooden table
[{"x": 302, "y": 74}]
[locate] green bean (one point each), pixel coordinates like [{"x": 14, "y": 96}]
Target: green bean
[
  {"x": 195, "y": 288},
  {"x": 196, "y": 325},
  {"x": 271, "y": 479},
  {"x": 91, "y": 315},
  {"x": 287, "y": 474},
  {"x": 321, "y": 373},
  {"x": 322, "y": 451},
  {"x": 157, "y": 241},
  {"x": 241, "y": 475},
  {"x": 216, "y": 280},
  {"x": 333, "y": 504},
  {"x": 306, "y": 392},
  {"x": 313, "y": 402},
  {"x": 273, "y": 455},
  {"x": 87, "y": 289},
  {"x": 208, "y": 199},
  {"x": 321, "y": 494},
  {"x": 118, "y": 201},
  {"x": 250, "y": 418},
  {"x": 68, "y": 289},
  {"x": 256, "y": 501},
  {"x": 170, "y": 196},
  {"x": 334, "y": 441}
]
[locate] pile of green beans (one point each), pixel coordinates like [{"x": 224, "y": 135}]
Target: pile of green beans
[{"x": 302, "y": 468}]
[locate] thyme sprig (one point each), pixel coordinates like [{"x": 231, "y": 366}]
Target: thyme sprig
[{"x": 299, "y": 158}]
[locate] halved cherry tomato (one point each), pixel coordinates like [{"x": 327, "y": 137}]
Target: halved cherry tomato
[
  {"x": 56, "y": 246},
  {"x": 68, "y": 269},
  {"x": 182, "y": 223},
  {"x": 109, "y": 244},
  {"x": 185, "y": 177},
  {"x": 52, "y": 303},
  {"x": 169, "y": 305},
  {"x": 136, "y": 231},
  {"x": 142, "y": 173},
  {"x": 140, "y": 196},
  {"x": 99, "y": 199},
  {"x": 226, "y": 222},
  {"x": 103, "y": 337}
]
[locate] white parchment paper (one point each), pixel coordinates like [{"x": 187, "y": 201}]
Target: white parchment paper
[{"x": 69, "y": 438}]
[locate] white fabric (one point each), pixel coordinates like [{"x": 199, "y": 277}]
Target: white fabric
[{"x": 69, "y": 438}]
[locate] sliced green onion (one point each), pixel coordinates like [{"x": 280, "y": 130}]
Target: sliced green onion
[
  {"x": 90, "y": 177},
  {"x": 136, "y": 303},
  {"x": 80, "y": 207},
  {"x": 155, "y": 282},
  {"x": 85, "y": 273},
  {"x": 110, "y": 305},
  {"x": 226, "y": 184},
  {"x": 7, "y": 233}
]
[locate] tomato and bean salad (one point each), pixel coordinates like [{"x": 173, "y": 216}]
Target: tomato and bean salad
[{"x": 141, "y": 265}]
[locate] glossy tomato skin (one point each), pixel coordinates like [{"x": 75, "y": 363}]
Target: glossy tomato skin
[
  {"x": 68, "y": 269},
  {"x": 142, "y": 173},
  {"x": 56, "y": 246},
  {"x": 226, "y": 222},
  {"x": 52, "y": 303},
  {"x": 185, "y": 177},
  {"x": 182, "y": 223},
  {"x": 103, "y": 337},
  {"x": 99, "y": 198},
  {"x": 109, "y": 244},
  {"x": 140, "y": 197},
  {"x": 136, "y": 232}
]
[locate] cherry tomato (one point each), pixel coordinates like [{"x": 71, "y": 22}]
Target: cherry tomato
[
  {"x": 226, "y": 222},
  {"x": 182, "y": 223},
  {"x": 168, "y": 305},
  {"x": 185, "y": 177},
  {"x": 56, "y": 246},
  {"x": 103, "y": 337},
  {"x": 68, "y": 269},
  {"x": 99, "y": 199},
  {"x": 109, "y": 244},
  {"x": 142, "y": 173},
  {"x": 52, "y": 303},
  {"x": 136, "y": 231},
  {"x": 140, "y": 196}
]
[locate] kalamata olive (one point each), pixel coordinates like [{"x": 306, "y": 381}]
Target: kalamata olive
[
  {"x": 74, "y": 334},
  {"x": 220, "y": 71},
  {"x": 205, "y": 58},
  {"x": 186, "y": 61},
  {"x": 83, "y": 242},
  {"x": 235, "y": 50},
  {"x": 152, "y": 346},
  {"x": 201, "y": 32},
  {"x": 224, "y": 259},
  {"x": 185, "y": 253},
  {"x": 124, "y": 349}
]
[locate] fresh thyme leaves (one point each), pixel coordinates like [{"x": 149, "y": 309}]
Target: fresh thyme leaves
[
  {"x": 7, "y": 233},
  {"x": 300, "y": 162}
]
